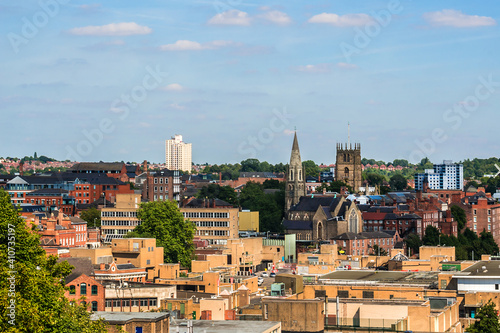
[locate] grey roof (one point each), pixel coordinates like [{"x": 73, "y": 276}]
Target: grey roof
[
  {"x": 482, "y": 268},
  {"x": 200, "y": 203},
  {"x": 311, "y": 204},
  {"x": 81, "y": 266},
  {"x": 125, "y": 317},
  {"x": 224, "y": 326},
  {"x": 48, "y": 192},
  {"x": 252, "y": 174},
  {"x": 409, "y": 217},
  {"x": 348, "y": 236},
  {"x": 125, "y": 266},
  {"x": 99, "y": 166},
  {"x": 297, "y": 225},
  {"x": 425, "y": 278}
]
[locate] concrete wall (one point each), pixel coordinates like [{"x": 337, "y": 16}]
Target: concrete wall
[
  {"x": 427, "y": 251},
  {"x": 295, "y": 315}
]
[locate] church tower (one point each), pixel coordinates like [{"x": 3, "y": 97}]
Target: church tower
[
  {"x": 295, "y": 177},
  {"x": 348, "y": 166}
]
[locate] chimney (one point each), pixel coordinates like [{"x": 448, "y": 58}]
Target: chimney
[
  {"x": 319, "y": 177},
  {"x": 220, "y": 177},
  {"x": 102, "y": 266},
  {"x": 145, "y": 167},
  {"x": 21, "y": 168}
]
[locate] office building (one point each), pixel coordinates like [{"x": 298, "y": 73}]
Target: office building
[{"x": 446, "y": 176}]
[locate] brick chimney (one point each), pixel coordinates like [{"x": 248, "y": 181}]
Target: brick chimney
[
  {"x": 145, "y": 167},
  {"x": 102, "y": 266},
  {"x": 21, "y": 168}
]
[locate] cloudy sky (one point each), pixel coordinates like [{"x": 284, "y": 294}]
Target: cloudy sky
[{"x": 110, "y": 81}]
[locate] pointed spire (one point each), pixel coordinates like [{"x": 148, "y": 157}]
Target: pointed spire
[{"x": 295, "y": 145}]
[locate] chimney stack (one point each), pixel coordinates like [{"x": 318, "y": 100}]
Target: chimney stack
[{"x": 21, "y": 168}]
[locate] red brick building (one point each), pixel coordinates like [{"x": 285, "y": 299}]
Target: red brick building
[
  {"x": 162, "y": 185},
  {"x": 99, "y": 186},
  {"x": 364, "y": 242},
  {"x": 114, "y": 169},
  {"x": 479, "y": 209},
  {"x": 123, "y": 272},
  {"x": 59, "y": 230},
  {"x": 52, "y": 198},
  {"x": 82, "y": 287}
]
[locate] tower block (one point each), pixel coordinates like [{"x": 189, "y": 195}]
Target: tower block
[{"x": 348, "y": 165}]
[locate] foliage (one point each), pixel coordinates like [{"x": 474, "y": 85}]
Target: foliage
[
  {"x": 431, "y": 236},
  {"x": 378, "y": 251},
  {"x": 413, "y": 242},
  {"x": 374, "y": 178},
  {"x": 232, "y": 171},
  {"x": 273, "y": 184},
  {"x": 40, "y": 305},
  {"x": 92, "y": 216},
  {"x": 459, "y": 216},
  {"x": 311, "y": 169},
  {"x": 164, "y": 221},
  {"x": 398, "y": 182},
  {"x": 488, "y": 320},
  {"x": 271, "y": 206},
  {"x": 215, "y": 191}
]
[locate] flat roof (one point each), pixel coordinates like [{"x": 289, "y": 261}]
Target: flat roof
[
  {"x": 481, "y": 269},
  {"x": 382, "y": 276},
  {"x": 124, "y": 317},
  {"x": 223, "y": 326}
]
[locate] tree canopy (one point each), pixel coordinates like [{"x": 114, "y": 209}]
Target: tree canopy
[
  {"x": 270, "y": 206},
  {"x": 488, "y": 320},
  {"x": 92, "y": 216},
  {"x": 398, "y": 182},
  {"x": 164, "y": 221},
  {"x": 215, "y": 191},
  {"x": 38, "y": 301}
]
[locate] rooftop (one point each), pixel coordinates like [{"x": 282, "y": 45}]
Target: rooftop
[
  {"x": 223, "y": 326},
  {"x": 125, "y": 317}
]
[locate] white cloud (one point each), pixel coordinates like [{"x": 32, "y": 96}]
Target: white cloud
[
  {"x": 457, "y": 19},
  {"x": 177, "y": 106},
  {"x": 231, "y": 17},
  {"x": 346, "y": 65},
  {"x": 173, "y": 87},
  {"x": 113, "y": 29},
  {"x": 188, "y": 45},
  {"x": 276, "y": 17},
  {"x": 288, "y": 131},
  {"x": 348, "y": 20},
  {"x": 319, "y": 68}
]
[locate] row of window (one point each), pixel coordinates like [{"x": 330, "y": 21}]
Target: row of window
[
  {"x": 208, "y": 215},
  {"x": 115, "y": 231},
  {"x": 212, "y": 232},
  {"x": 212, "y": 224},
  {"x": 94, "y": 305},
  {"x": 387, "y": 222},
  {"x": 160, "y": 180},
  {"x": 161, "y": 189},
  {"x": 120, "y": 222},
  {"x": 117, "y": 303},
  {"x": 83, "y": 289},
  {"x": 118, "y": 214}
]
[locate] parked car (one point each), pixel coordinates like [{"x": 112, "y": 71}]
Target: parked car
[
  {"x": 260, "y": 280},
  {"x": 272, "y": 274},
  {"x": 264, "y": 274}
]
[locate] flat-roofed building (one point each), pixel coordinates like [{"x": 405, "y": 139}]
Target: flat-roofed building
[
  {"x": 122, "y": 218},
  {"x": 227, "y": 326},
  {"x": 134, "y": 322}
]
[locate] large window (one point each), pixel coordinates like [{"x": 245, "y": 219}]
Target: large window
[
  {"x": 83, "y": 289},
  {"x": 94, "y": 306},
  {"x": 94, "y": 290},
  {"x": 72, "y": 290}
]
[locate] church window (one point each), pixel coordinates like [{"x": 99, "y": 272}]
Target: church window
[
  {"x": 345, "y": 157},
  {"x": 291, "y": 174},
  {"x": 348, "y": 158},
  {"x": 353, "y": 221},
  {"x": 346, "y": 172},
  {"x": 300, "y": 175}
]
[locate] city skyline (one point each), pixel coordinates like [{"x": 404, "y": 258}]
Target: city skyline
[{"x": 111, "y": 81}]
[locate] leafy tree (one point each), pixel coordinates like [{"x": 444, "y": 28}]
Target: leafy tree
[
  {"x": 488, "y": 320},
  {"x": 431, "y": 236},
  {"x": 249, "y": 165},
  {"x": 92, "y": 216},
  {"x": 311, "y": 169},
  {"x": 459, "y": 216},
  {"x": 270, "y": 206},
  {"x": 374, "y": 178},
  {"x": 39, "y": 302},
  {"x": 215, "y": 191},
  {"x": 273, "y": 184},
  {"x": 403, "y": 163},
  {"x": 378, "y": 251},
  {"x": 398, "y": 182},
  {"x": 164, "y": 221},
  {"x": 413, "y": 242}
]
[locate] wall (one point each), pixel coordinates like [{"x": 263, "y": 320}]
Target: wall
[
  {"x": 427, "y": 251},
  {"x": 295, "y": 315},
  {"x": 249, "y": 221}
]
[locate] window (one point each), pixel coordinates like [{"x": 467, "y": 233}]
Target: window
[
  {"x": 148, "y": 262},
  {"x": 367, "y": 294},
  {"x": 83, "y": 289},
  {"x": 343, "y": 293},
  {"x": 94, "y": 306},
  {"x": 138, "y": 329},
  {"x": 94, "y": 290},
  {"x": 72, "y": 290},
  {"x": 156, "y": 180}
]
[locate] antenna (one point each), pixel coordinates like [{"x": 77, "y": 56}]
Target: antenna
[{"x": 348, "y": 134}]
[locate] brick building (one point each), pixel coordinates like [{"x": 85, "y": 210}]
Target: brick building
[
  {"x": 120, "y": 219},
  {"x": 52, "y": 198},
  {"x": 479, "y": 209},
  {"x": 60, "y": 230},
  {"x": 363, "y": 243},
  {"x": 97, "y": 186},
  {"x": 162, "y": 185}
]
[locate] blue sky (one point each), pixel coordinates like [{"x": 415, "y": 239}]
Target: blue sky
[{"x": 111, "y": 81}]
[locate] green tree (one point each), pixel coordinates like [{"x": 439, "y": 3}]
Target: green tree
[
  {"x": 164, "y": 221},
  {"x": 250, "y": 164},
  {"x": 270, "y": 206},
  {"x": 374, "y": 178},
  {"x": 431, "y": 236},
  {"x": 92, "y": 216},
  {"x": 487, "y": 320},
  {"x": 215, "y": 191},
  {"x": 38, "y": 297},
  {"x": 398, "y": 182},
  {"x": 378, "y": 251},
  {"x": 459, "y": 216},
  {"x": 413, "y": 242},
  {"x": 311, "y": 169}
]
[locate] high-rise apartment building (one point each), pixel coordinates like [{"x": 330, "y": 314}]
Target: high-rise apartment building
[
  {"x": 446, "y": 176},
  {"x": 178, "y": 154}
]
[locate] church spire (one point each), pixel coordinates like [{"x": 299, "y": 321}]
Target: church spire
[{"x": 295, "y": 156}]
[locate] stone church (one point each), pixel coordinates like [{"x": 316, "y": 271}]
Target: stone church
[
  {"x": 348, "y": 165},
  {"x": 316, "y": 217}
]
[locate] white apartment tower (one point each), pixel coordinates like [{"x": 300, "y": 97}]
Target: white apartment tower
[
  {"x": 446, "y": 176},
  {"x": 178, "y": 154}
]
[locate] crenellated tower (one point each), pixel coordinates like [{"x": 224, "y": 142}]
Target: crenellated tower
[{"x": 348, "y": 165}]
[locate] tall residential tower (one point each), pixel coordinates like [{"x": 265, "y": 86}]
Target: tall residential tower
[{"x": 178, "y": 154}]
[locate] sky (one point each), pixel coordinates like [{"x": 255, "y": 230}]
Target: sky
[{"x": 111, "y": 81}]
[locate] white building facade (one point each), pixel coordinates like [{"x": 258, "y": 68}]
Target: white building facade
[
  {"x": 446, "y": 176},
  {"x": 178, "y": 155}
]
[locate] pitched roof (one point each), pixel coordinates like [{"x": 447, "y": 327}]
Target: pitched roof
[
  {"x": 348, "y": 236},
  {"x": 311, "y": 204},
  {"x": 297, "y": 225},
  {"x": 374, "y": 216},
  {"x": 81, "y": 266},
  {"x": 99, "y": 166}
]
